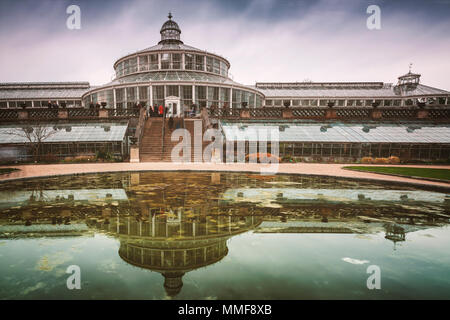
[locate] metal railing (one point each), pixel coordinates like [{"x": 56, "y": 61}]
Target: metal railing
[
  {"x": 38, "y": 114},
  {"x": 140, "y": 126},
  {"x": 163, "y": 131},
  {"x": 432, "y": 112},
  {"x": 82, "y": 113},
  {"x": 133, "y": 112}
]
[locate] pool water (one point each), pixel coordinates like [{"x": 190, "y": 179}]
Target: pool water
[{"x": 182, "y": 235}]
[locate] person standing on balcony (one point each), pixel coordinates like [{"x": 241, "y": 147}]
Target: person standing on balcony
[
  {"x": 161, "y": 110},
  {"x": 150, "y": 111}
]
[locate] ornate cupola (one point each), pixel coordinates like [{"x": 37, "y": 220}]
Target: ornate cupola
[
  {"x": 170, "y": 32},
  {"x": 407, "y": 82}
]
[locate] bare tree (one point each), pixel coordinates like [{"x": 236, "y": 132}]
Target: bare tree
[{"x": 34, "y": 135}]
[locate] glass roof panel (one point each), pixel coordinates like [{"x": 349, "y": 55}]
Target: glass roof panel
[
  {"x": 340, "y": 132},
  {"x": 90, "y": 132}
]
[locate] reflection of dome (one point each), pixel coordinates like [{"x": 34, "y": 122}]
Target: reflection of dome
[
  {"x": 173, "y": 258},
  {"x": 170, "y": 32},
  {"x": 175, "y": 247},
  {"x": 163, "y": 256},
  {"x": 173, "y": 282}
]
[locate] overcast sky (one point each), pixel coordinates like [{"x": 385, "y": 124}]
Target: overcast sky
[{"x": 264, "y": 40}]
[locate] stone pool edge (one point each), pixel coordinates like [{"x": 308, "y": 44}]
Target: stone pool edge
[{"x": 313, "y": 170}]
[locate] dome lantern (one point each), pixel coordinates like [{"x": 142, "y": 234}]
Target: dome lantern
[{"x": 170, "y": 32}]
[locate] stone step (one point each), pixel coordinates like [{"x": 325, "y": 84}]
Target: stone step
[{"x": 151, "y": 144}]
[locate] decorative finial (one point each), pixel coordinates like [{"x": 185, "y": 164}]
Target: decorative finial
[
  {"x": 170, "y": 16},
  {"x": 410, "y": 66}
]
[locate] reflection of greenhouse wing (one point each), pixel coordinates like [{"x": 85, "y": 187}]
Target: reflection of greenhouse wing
[
  {"x": 24, "y": 198},
  {"x": 297, "y": 195},
  {"x": 45, "y": 229}
]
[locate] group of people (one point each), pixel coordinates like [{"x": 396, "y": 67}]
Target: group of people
[
  {"x": 52, "y": 105},
  {"x": 155, "y": 111}
]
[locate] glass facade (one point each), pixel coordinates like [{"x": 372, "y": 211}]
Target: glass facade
[
  {"x": 359, "y": 150},
  {"x": 158, "y": 98},
  {"x": 120, "y": 98},
  {"x": 171, "y": 61},
  {"x": 201, "y": 95},
  {"x": 143, "y": 95},
  {"x": 131, "y": 97},
  {"x": 186, "y": 97},
  {"x": 106, "y": 96}
]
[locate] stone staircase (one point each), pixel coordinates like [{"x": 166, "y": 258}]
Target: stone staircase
[{"x": 151, "y": 146}]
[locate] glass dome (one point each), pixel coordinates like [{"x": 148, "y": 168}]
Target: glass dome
[
  {"x": 170, "y": 32},
  {"x": 173, "y": 69}
]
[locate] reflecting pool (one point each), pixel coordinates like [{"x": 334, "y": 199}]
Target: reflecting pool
[{"x": 149, "y": 235}]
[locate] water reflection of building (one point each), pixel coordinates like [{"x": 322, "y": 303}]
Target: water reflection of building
[
  {"x": 47, "y": 212},
  {"x": 175, "y": 243},
  {"x": 14, "y": 198},
  {"x": 291, "y": 195},
  {"x": 173, "y": 223}
]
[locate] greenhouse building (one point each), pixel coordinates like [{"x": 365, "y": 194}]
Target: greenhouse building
[{"x": 317, "y": 120}]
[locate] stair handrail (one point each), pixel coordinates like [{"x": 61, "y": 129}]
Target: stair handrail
[
  {"x": 140, "y": 126},
  {"x": 185, "y": 135},
  {"x": 206, "y": 121},
  {"x": 163, "y": 130}
]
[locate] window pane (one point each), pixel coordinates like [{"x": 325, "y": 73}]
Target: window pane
[
  {"x": 209, "y": 64},
  {"x": 153, "y": 62},
  {"x": 143, "y": 95},
  {"x": 189, "y": 61},
  {"x": 223, "y": 69},
  {"x": 216, "y": 66},
  {"x": 199, "y": 62},
  {"x": 165, "y": 61},
  {"x": 143, "y": 63},
  {"x": 176, "y": 61},
  {"x": 133, "y": 65},
  {"x": 172, "y": 91}
]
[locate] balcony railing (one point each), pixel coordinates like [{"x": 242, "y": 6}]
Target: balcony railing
[
  {"x": 46, "y": 114},
  {"x": 9, "y": 114},
  {"x": 123, "y": 112},
  {"x": 82, "y": 113},
  {"x": 436, "y": 113}
]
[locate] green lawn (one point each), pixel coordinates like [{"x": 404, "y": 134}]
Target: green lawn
[
  {"x": 441, "y": 174},
  {"x": 7, "y": 170}
]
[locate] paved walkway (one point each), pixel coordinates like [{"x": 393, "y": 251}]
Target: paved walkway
[{"x": 29, "y": 171}]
